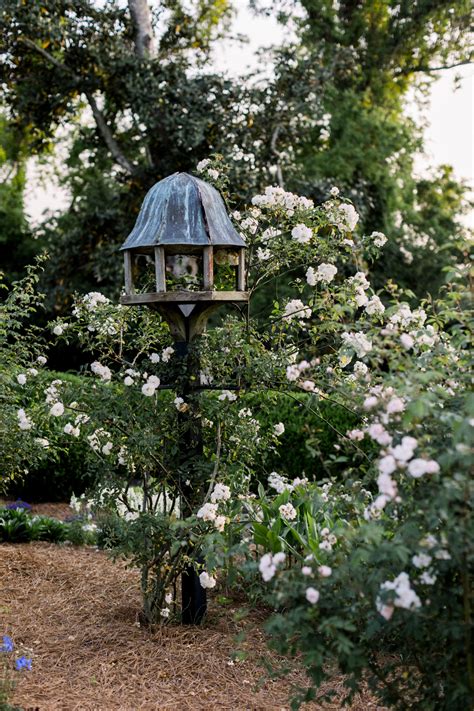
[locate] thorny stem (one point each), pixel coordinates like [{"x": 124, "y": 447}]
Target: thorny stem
[
  {"x": 341, "y": 434},
  {"x": 259, "y": 283},
  {"x": 216, "y": 463}
]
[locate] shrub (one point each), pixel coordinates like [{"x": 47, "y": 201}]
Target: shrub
[
  {"x": 55, "y": 479},
  {"x": 61, "y": 471},
  {"x": 19, "y": 526}
]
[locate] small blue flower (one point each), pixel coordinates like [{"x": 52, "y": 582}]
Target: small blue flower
[
  {"x": 23, "y": 663},
  {"x": 7, "y": 645},
  {"x": 19, "y": 504}
]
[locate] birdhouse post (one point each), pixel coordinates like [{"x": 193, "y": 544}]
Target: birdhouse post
[{"x": 185, "y": 259}]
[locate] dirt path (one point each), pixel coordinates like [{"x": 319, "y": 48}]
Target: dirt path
[{"x": 77, "y": 611}]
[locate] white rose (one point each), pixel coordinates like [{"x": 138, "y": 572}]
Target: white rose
[
  {"x": 378, "y": 238},
  {"x": 279, "y": 429},
  {"x": 148, "y": 389},
  {"x": 301, "y": 233},
  {"x": 407, "y": 341},
  {"x": 202, "y": 165},
  {"x": 287, "y": 511},
  {"x": 206, "y": 580},
  {"x": 325, "y": 571},
  {"x": 326, "y": 272},
  {"x": 312, "y": 595},
  {"x": 57, "y": 409}
]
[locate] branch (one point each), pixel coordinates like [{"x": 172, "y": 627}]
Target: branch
[
  {"x": 99, "y": 119},
  {"x": 428, "y": 69},
  {"x": 216, "y": 464},
  {"x": 318, "y": 414},
  {"x": 277, "y": 154},
  {"x": 141, "y": 18},
  {"x": 107, "y": 135}
]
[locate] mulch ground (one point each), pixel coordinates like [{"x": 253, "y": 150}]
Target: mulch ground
[{"x": 77, "y": 612}]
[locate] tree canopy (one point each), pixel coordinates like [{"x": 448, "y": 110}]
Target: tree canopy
[{"x": 135, "y": 91}]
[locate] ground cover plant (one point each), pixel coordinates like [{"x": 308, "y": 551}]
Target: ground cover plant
[
  {"x": 366, "y": 553},
  {"x": 17, "y": 525}
]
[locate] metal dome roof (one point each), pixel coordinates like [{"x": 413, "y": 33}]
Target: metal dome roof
[{"x": 182, "y": 210}]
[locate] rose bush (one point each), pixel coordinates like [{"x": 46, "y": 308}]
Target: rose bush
[
  {"x": 367, "y": 554},
  {"x": 380, "y": 580}
]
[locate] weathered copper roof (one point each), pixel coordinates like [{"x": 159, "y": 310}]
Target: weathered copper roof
[{"x": 182, "y": 210}]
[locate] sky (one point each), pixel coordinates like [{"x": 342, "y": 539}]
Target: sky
[{"x": 449, "y": 135}]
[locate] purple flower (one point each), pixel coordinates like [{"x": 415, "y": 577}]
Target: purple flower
[
  {"x": 23, "y": 663},
  {"x": 7, "y": 645},
  {"x": 19, "y": 504}
]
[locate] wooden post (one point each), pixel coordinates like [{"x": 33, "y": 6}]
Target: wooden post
[
  {"x": 160, "y": 270},
  {"x": 193, "y": 595},
  {"x": 241, "y": 276},
  {"x": 127, "y": 262},
  {"x": 208, "y": 268}
]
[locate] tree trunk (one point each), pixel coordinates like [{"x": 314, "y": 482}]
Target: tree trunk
[{"x": 141, "y": 17}]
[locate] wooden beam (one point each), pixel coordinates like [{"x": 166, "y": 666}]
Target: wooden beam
[
  {"x": 185, "y": 297},
  {"x": 241, "y": 275},
  {"x": 127, "y": 263},
  {"x": 208, "y": 268},
  {"x": 160, "y": 270}
]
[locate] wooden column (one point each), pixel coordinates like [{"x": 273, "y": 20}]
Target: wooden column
[
  {"x": 160, "y": 270},
  {"x": 127, "y": 262},
  {"x": 208, "y": 268},
  {"x": 241, "y": 276}
]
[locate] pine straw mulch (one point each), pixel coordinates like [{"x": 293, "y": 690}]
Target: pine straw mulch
[{"x": 77, "y": 611}]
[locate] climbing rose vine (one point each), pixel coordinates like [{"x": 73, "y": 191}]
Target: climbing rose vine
[{"x": 367, "y": 555}]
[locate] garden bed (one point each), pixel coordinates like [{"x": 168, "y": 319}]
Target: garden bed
[
  {"x": 60, "y": 511},
  {"x": 78, "y": 613}
]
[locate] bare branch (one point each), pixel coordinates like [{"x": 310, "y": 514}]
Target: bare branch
[
  {"x": 216, "y": 464},
  {"x": 277, "y": 154},
  {"x": 141, "y": 18},
  {"x": 428, "y": 69},
  {"x": 52, "y": 60},
  {"x": 99, "y": 119},
  {"x": 109, "y": 140}
]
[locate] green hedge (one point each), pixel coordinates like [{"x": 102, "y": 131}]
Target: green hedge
[
  {"x": 56, "y": 479},
  {"x": 311, "y": 431}
]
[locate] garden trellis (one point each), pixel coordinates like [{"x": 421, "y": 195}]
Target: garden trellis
[{"x": 185, "y": 259}]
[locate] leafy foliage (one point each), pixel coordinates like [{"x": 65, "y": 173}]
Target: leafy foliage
[
  {"x": 365, "y": 58},
  {"x": 331, "y": 114},
  {"x": 19, "y": 526}
]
